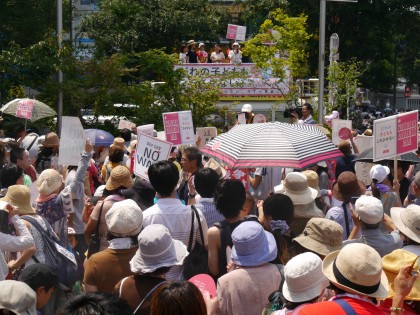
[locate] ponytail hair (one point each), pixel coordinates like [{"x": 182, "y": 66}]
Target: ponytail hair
[{"x": 375, "y": 191}]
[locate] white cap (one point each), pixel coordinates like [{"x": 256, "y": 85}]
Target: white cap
[
  {"x": 235, "y": 44},
  {"x": 369, "y": 209},
  {"x": 247, "y": 108},
  {"x": 200, "y": 45},
  {"x": 379, "y": 172},
  {"x": 124, "y": 219}
]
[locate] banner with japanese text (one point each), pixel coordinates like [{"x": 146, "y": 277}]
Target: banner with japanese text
[{"x": 179, "y": 127}]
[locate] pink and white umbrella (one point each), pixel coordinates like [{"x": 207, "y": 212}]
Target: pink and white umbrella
[{"x": 272, "y": 144}]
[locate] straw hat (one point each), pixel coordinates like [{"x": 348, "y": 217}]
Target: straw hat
[
  {"x": 357, "y": 268},
  {"x": 347, "y": 186},
  {"x": 252, "y": 246},
  {"x": 51, "y": 140},
  {"x": 321, "y": 236},
  {"x": 303, "y": 278},
  {"x": 368, "y": 132},
  {"x": 20, "y": 197},
  {"x": 119, "y": 142},
  {"x": 124, "y": 218},
  {"x": 214, "y": 165},
  {"x": 407, "y": 221},
  {"x": 120, "y": 177},
  {"x": 296, "y": 187},
  {"x": 17, "y": 297},
  {"x": 49, "y": 182},
  {"x": 313, "y": 179},
  {"x": 392, "y": 264},
  {"x": 191, "y": 42},
  {"x": 157, "y": 249}
]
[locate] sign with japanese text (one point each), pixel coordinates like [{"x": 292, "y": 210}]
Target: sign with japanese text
[
  {"x": 240, "y": 174},
  {"x": 395, "y": 135},
  {"x": 125, "y": 124},
  {"x": 146, "y": 129},
  {"x": 206, "y": 134},
  {"x": 179, "y": 127},
  {"x": 24, "y": 109},
  {"x": 251, "y": 83},
  {"x": 363, "y": 142},
  {"x": 338, "y": 126},
  {"x": 72, "y": 141},
  {"x": 407, "y": 132},
  {"x": 149, "y": 150},
  {"x": 236, "y": 32},
  {"x": 363, "y": 172}
]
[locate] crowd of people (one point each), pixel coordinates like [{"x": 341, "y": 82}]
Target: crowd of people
[
  {"x": 189, "y": 54},
  {"x": 313, "y": 241}
]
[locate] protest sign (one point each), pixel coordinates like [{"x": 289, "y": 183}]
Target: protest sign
[
  {"x": 339, "y": 128},
  {"x": 149, "y": 150},
  {"x": 241, "y": 119},
  {"x": 179, "y": 127},
  {"x": 395, "y": 135},
  {"x": 72, "y": 141},
  {"x": 146, "y": 129},
  {"x": 363, "y": 143},
  {"x": 24, "y": 109},
  {"x": 161, "y": 135},
  {"x": 205, "y": 284},
  {"x": 236, "y": 32},
  {"x": 206, "y": 134},
  {"x": 126, "y": 124},
  {"x": 259, "y": 118},
  {"x": 363, "y": 172}
]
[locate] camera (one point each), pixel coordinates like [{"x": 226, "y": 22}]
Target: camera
[{"x": 289, "y": 111}]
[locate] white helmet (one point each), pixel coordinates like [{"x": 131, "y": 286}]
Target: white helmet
[{"x": 247, "y": 108}]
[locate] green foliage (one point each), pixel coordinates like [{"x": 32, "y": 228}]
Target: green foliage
[
  {"x": 130, "y": 26},
  {"x": 286, "y": 59},
  {"x": 344, "y": 78}
]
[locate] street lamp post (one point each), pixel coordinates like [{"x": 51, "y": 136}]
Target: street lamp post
[
  {"x": 60, "y": 73},
  {"x": 321, "y": 55},
  {"x": 334, "y": 44}
]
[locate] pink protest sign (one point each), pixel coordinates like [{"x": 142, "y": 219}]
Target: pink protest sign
[
  {"x": 205, "y": 284},
  {"x": 407, "y": 134},
  {"x": 231, "y": 31},
  {"x": 171, "y": 126},
  {"x": 25, "y": 108}
]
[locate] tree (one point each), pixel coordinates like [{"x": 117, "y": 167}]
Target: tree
[
  {"x": 286, "y": 57},
  {"x": 130, "y": 26}
]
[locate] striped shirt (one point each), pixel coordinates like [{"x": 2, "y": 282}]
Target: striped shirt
[
  {"x": 208, "y": 208},
  {"x": 176, "y": 217}
]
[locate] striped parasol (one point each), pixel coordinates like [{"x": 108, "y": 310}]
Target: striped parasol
[{"x": 272, "y": 144}]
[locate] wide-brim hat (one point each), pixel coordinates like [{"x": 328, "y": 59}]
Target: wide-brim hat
[
  {"x": 20, "y": 197},
  {"x": 51, "y": 140},
  {"x": 346, "y": 186},
  {"x": 392, "y": 264},
  {"x": 157, "y": 249},
  {"x": 191, "y": 42},
  {"x": 49, "y": 182},
  {"x": 17, "y": 297},
  {"x": 214, "y": 165},
  {"x": 296, "y": 186},
  {"x": 357, "y": 268},
  {"x": 407, "y": 221},
  {"x": 120, "y": 177},
  {"x": 313, "y": 180},
  {"x": 321, "y": 236},
  {"x": 304, "y": 279},
  {"x": 252, "y": 246}
]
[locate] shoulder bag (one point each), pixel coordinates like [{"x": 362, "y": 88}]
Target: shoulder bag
[{"x": 95, "y": 240}]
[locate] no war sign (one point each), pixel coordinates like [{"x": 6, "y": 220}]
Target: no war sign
[
  {"x": 72, "y": 141},
  {"x": 149, "y": 150}
]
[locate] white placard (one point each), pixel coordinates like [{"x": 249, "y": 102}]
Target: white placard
[
  {"x": 186, "y": 127},
  {"x": 146, "y": 129},
  {"x": 337, "y": 125},
  {"x": 72, "y": 141},
  {"x": 206, "y": 134},
  {"x": 362, "y": 172},
  {"x": 149, "y": 150},
  {"x": 385, "y": 138},
  {"x": 240, "y": 33},
  {"x": 363, "y": 143},
  {"x": 161, "y": 135},
  {"x": 126, "y": 124},
  {"x": 241, "y": 119}
]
